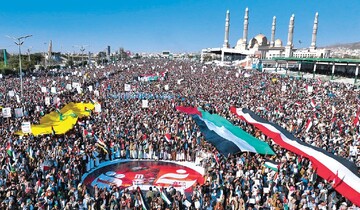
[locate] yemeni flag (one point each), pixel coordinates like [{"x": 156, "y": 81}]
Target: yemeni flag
[
  {"x": 101, "y": 144},
  {"x": 227, "y": 138},
  {"x": 168, "y": 137},
  {"x": 144, "y": 205},
  {"x": 327, "y": 165},
  {"x": 308, "y": 125},
  {"x": 9, "y": 149},
  {"x": 313, "y": 103},
  {"x": 272, "y": 165}
]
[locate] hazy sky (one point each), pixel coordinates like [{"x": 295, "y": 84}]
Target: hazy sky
[{"x": 177, "y": 26}]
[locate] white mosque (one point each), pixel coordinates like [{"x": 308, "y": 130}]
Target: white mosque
[{"x": 261, "y": 48}]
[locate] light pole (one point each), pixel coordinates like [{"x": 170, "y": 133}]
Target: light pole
[
  {"x": 19, "y": 41},
  {"x": 82, "y": 49}
]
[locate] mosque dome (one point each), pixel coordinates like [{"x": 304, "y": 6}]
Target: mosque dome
[
  {"x": 261, "y": 39},
  {"x": 278, "y": 43},
  {"x": 252, "y": 43},
  {"x": 239, "y": 42}
]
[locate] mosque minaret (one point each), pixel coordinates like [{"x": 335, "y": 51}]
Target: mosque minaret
[
  {"x": 273, "y": 29},
  {"x": 314, "y": 33},
  {"x": 259, "y": 46},
  {"x": 227, "y": 25}
]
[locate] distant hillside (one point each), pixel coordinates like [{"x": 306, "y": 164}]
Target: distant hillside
[{"x": 352, "y": 46}]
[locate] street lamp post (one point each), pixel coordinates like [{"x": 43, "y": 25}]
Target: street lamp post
[
  {"x": 82, "y": 49},
  {"x": 19, "y": 41}
]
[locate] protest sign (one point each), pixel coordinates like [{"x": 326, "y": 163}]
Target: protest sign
[
  {"x": 53, "y": 90},
  {"x": 19, "y": 112},
  {"x": 26, "y": 127},
  {"x": 47, "y": 101},
  {"x": 127, "y": 87},
  {"x": 6, "y": 112},
  {"x": 11, "y": 93},
  {"x": 97, "y": 107},
  {"x": 145, "y": 104}
]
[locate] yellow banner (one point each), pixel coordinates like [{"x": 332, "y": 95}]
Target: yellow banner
[{"x": 60, "y": 122}]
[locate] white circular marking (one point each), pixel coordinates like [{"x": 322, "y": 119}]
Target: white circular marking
[
  {"x": 181, "y": 171},
  {"x": 119, "y": 176},
  {"x": 110, "y": 173}
]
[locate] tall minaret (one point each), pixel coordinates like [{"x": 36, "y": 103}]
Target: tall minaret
[
  {"x": 246, "y": 26},
  {"x": 49, "y": 53},
  {"x": 273, "y": 28},
  {"x": 314, "y": 33},
  {"x": 227, "y": 25},
  {"x": 289, "y": 45},
  {"x": 50, "y": 49},
  {"x": 291, "y": 31}
]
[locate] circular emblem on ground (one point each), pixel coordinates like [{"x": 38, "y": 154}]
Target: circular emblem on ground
[{"x": 143, "y": 174}]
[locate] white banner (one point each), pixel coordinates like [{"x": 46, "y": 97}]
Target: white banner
[
  {"x": 53, "y": 90},
  {"x": 97, "y": 107},
  {"x": 96, "y": 93},
  {"x": 17, "y": 98},
  {"x": 43, "y": 89},
  {"x": 47, "y": 101},
  {"x": 75, "y": 84},
  {"x": 179, "y": 81},
  {"x": 68, "y": 87},
  {"x": 90, "y": 88},
  {"x": 26, "y": 127},
  {"x": 283, "y": 88},
  {"x": 145, "y": 104},
  {"x": 79, "y": 89},
  {"x": 127, "y": 87},
  {"x": 66, "y": 77},
  {"x": 310, "y": 89},
  {"x": 6, "y": 112},
  {"x": 11, "y": 93},
  {"x": 166, "y": 87}
]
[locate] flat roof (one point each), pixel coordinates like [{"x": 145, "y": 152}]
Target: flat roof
[{"x": 329, "y": 60}]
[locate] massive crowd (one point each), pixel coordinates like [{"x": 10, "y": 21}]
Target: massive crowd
[{"x": 239, "y": 181}]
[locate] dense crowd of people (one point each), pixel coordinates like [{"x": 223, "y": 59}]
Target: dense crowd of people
[{"x": 239, "y": 181}]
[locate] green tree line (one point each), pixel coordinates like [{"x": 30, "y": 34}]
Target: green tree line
[{"x": 13, "y": 62}]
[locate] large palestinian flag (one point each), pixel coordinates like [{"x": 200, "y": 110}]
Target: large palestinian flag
[
  {"x": 227, "y": 138},
  {"x": 327, "y": 165}
]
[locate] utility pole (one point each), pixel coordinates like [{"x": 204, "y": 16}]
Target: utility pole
[{"x": 19, "y": 41}]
